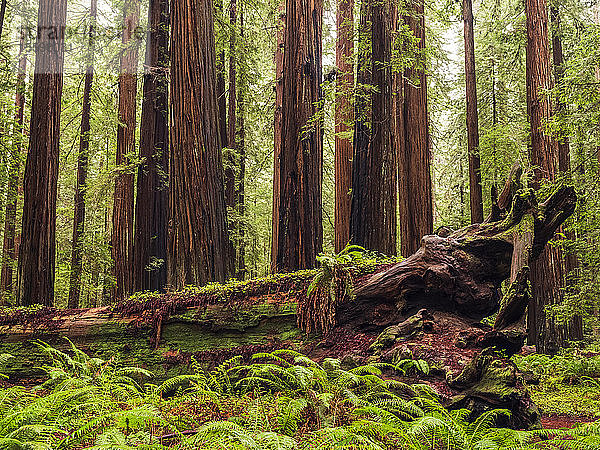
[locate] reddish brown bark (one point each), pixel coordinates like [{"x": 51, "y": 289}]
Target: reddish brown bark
[
  {"x": 564, "y": 163},
  {"x": 151, "y": 209},
  {"x": 38, "y": 244},
  {"x": 547, "y": 272},
  {"x": 373, "y": 218},
  {"x": 343, "y": 119},
  {"x": 240, "y": 194},
  {"x": 230, "y": 160},
  {"x": 221, "y": 85},
  {"x": 123, "y": 206},
  {"x": 8, "y": 253},
  {"x": 300, "y": 232},
  {"x": 277, "y": 134},
  {"x": 472, "y": 116},
  {"x": 82, "y": 168},
  {"x": 198, "y": 242},
  {"x": 416, "y": 191}
]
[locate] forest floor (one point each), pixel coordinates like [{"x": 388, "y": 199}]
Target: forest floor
[{"x": 556, "y": 422}]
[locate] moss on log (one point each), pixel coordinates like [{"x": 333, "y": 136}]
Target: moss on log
[{"x": 208, "y": 333}]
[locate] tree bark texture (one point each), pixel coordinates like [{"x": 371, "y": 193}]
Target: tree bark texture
[
  {"x": 472, "y": 116},
  {"x": 374, "y": 195},
  {"x": 240, "y": 193},
  {"x": 82, "y": 168},
  {"x": 123, "y": 206},
  {"x": 571, "y": 263},
  {"x": 416, "y": 191},
  {"x": 230, "y": 159},
  {"x": 199, "y": 248},
  {"x": 151, "y": 209},
  {"x": 300, "y": 230},
  {"x": 221, "y": 85},
  {"x": 547, "y": 272},
  {"x": 38, "y": 243},
  {"x": 8, "y": 253},
  {"x": 344, "y": 116},
  {"x": 460, "y": 272},
  {"x": 277, "y": 122}
]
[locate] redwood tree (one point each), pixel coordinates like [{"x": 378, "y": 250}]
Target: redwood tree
[
  {"x": 198, "y": 242},
  {"x": 82, "y": 167},
  {"x": 38, "y": 243},
  {"x": 571, "y": 263},
  {"x": 277, "y": 134},
  {"x": 240, "y": 192},
  {"x": 221, "y": 87},
  {"x": 299, "y": 237},
  {"x": 10, "y": 218},
  {"x": 373, "y": 218},
  {"x": 151, "y": 208},
  {"x": 123, "y": 206},
  {"x": 472, "y": 116},
  {"x": 547, "y": 273},
  {"x": 230, "y": 164},
  {"x": 343, "y": 119},
  {"x": 414, "y": 155}
]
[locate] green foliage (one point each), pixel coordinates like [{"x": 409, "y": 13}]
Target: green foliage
[
  {"x": 569, "y": 365},
  {"x": 568, "y": 382},
  {"x": 4, "y": 358},
  {"x": 333, "y": 284},
  {"x": 278, "y": 400}
]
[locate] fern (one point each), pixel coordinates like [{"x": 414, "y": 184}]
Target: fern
[{"x": 290, "y": 414}]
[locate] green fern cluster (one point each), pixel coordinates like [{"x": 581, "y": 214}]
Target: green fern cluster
[
  {"x": 332, "y": 284},
  {"x": 278, "y": 400}
]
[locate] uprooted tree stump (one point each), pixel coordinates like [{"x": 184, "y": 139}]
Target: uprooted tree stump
[
  {"x": 453, "y": 282},
  {"x": 464, "y": 271}
]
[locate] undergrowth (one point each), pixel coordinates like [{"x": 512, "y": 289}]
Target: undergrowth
[
  {"x": 278, "y": 400},
  {"x": 569, "y": 383},
  {"x": 333, "y": 283}
]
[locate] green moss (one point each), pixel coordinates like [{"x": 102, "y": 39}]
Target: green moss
[
  {"x": 498, "y": 380},
  {"x": 212, "y": 329},
  {"x": 556, "y": 398}
]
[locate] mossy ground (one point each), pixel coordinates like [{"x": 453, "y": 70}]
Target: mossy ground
[{"x": 559, "y": 399}]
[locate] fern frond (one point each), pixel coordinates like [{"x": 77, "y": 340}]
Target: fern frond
[{"x": 290, "y": 414}]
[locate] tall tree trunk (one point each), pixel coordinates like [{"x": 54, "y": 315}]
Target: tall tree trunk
[
  {"x": 38, "y": 244},
  {"x": 229, "y": 177},
  {"x": 82, "y": 167},
  {"x": 575, "y": 330},
  {"x": 472, "y": 116},
  {"x": 564, "y": 152},
  {"x": 343, "y": 119},
  {"x": 230, "y": 164},
  {"x": 231, "y": 154},
  {"x": 8, "y": 252},
  {"x": 373, "y": 217},
  {"x": 597, "y": 67},
  {"x": 241, "y": 184},
  {"x": 199, "y": 249},
  {"x": 2, "y": 14},
  {"x": 151, "y": 208},
  {"x": 547, "y": 273},
  {"x": 277, "y": 134},
  {"x": 416, "y": 191},
  {"x": 300, "y": 236},
  {"x": 123, "y": 209},
  {"x": 221, "y": 87}
]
